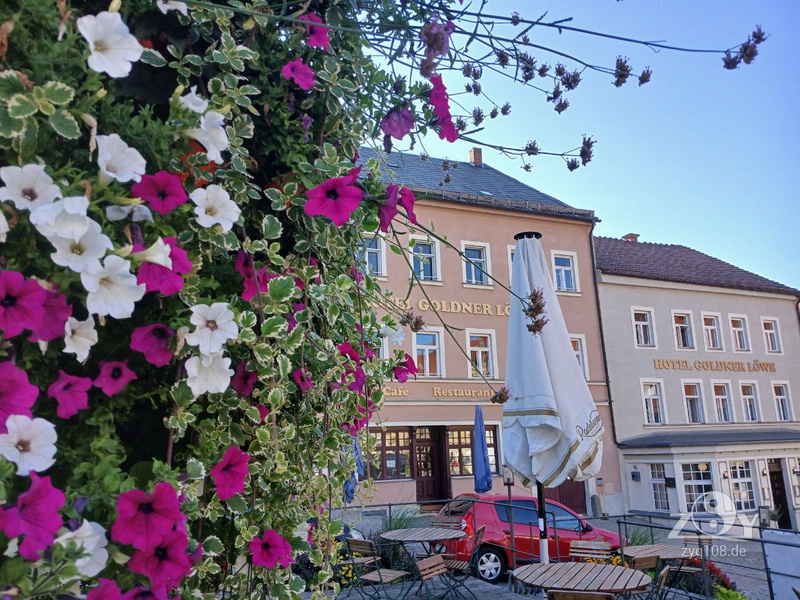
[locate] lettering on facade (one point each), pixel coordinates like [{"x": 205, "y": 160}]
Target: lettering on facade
[
  {"x": 459, "y": 393},
  {"x": 592, "y": 427},
  {"x": 754, "y": 366},
  {"x": 400, "y": 391},
  {"x": 455, "y": 307}
]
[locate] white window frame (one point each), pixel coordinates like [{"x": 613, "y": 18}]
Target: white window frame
[
  {"x": 658, "y": 484},
  {"x": 787, "y": 396},
  {"x": 384, "y": 351},
  {"x": 440, "y": 362},
  {"x": 777, "y": 335},
  {"x": 580, "y": 353},
  {"x": 465, "y": 264},
  {"x": 757, "y": 401},
  {"x": 689, "y": 327},
  {"x": 490, "y": 333},
  {"x": 573, "y": 257},
  {"x": 700, "y": 485},
  {"x": 729, "y": 396},
  {"x": 700, "y": 397},
  {"x": 718, "y": 317},
  {"x": 646, "y": 404},
  {"x": 436, "y": 262},
  {"x": 748, "y": 344},
  {"x": 511, "y": 251},
  {"x": 381, "y": 250},
  {"x": 744, "y": 476},
  {"x": 652, "y": 322}
]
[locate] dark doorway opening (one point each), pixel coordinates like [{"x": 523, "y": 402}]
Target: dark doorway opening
[{"x": 780, "y": 501}]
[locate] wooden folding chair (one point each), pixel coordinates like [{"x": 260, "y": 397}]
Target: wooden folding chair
[
  {"x": 459, "y": 571},
  {"x": 446, "y": 522},
  {"x": 645, "y": 563},
  {"x": 429, "y": 569},
  {"x": 565, "y": 595},
  {"x": 371, "y": 579},
  {"x": 657, "y": 592},
  {"x": 590, "y": 549}
]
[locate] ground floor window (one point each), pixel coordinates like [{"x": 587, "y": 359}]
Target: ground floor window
[
  {"x": 391, "y": 456},
  {"x": 742, "y": 485},
  {"x": 659, "y": 481},
  {"x": 696, "y": 482},
  {"x": 459, "y": 443}
]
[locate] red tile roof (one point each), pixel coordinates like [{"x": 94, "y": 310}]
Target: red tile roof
[{"x": 669, "y": 262}]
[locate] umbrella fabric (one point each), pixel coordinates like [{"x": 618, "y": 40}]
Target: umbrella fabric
[
  {"x": 351, "y": 483},
  {"x": 481, "y": 468},
  {"x": 551, "y": 428}
]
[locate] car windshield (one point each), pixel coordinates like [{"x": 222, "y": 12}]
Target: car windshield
[{"x": 458, "y": 506}]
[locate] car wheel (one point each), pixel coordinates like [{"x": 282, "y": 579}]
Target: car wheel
[{"x": 491, "y": 564}]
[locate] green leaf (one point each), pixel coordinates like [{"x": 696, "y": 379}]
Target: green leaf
[
  {"x": 182, "y": 394},
  {"x": 237, "y": 504},
  {"x": 246, "y": 318},
  {"x": 212, "y": 546},
  {"x": 9, "y": 127},
  {"x": 153, "y": 58},
  {"x": 58, "y": 92},
  {"x": 13, "y": 570},
  {"x": 284, "y": 366},
  {"x": 65, "y": 124},
  {"x": 21, "y": 106},
  {"x": 273, "y": 327},
  {"x": 195, "y": 469},
  {"x": 281, "y": 289},
  {"x": 332, "y": 65},
  {"x": 10, "y": 84},
  {"x": 29, "y": 138},
  {"x": 271, "y": 228}
]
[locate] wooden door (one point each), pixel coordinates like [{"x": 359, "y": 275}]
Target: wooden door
[
  {"x": 571, "y": 494},
  {"x": 425, "y": 454}
]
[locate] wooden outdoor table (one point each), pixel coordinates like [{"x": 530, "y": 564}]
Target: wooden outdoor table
[
  {"x": 664, "y": 551},
  {"x": 423, "y": 535},
  {"x": 583, "y": 577}
]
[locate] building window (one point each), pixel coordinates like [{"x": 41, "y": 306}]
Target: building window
[
  {"x": 481, "y": 354},
  {"x": 741, "y": 340},
  {"x": 428, "y": 350},
  {"x": 696, "y": 482},
  {"x": 459, "y": 442},
  {"x": 783, "y": 404},
  {"x": 391, "y": 455},
  {"x": 711, "y": 332},
  {"x": 683, "y": 331},
  {"x": 578, "y": 347},
  {"x": 476, "y": 263},
  {"x": 750, "y": 402},
  {"x": 566, "y": 272},
  {"x": 722, "y": 402},
  {"x": 694, "y": 403},
  {"x": 653, "y": 404},
  {"x": 426, "y": 260},
  {"x": 659, "y": 481},
  {"x": 772, "y": 338},
  {"x": 742, "y": 485},
  {"x": 371, "y": 257},
  {"x": 643, "y": 328}
]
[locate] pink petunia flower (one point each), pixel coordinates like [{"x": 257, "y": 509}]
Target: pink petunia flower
[
  {"x": 291, "y": 318},
  {"x": 317, "y": 36},
  {"x": 36, "y": 517},
  {"x": 441, "y": 108},
  {"x": 244, "y": 264},
  {"x": 301, "y": 73},
  {"x": 303, "y": 379},
  {"x": 105, "y": 590},
  {"x": 251, "y": 289},
  {"x": 346, "y": 349},
  {"x": 407, "y": 202},
  {"x": 114, "y": 376},
  {"x": 71, "y": 393},
  {"x": 337, "y": 198},
  {"x": 145, "y": 519},
  {"x": 56, "y": 313},
  {"x": 21, "y": 303},
  {"x": 17, "y": 394},
  {"x": 143, "y": 593},
  {"x": 230, "y": 473},
  {"x": 158, "y": 278},
  {"x": 263, "y": 412},
  {"x": 405, "y": 368},
  {"x": 153, "y": 342},
  {"x": 398, "y": 122},
  {"x": 388, "y": 210},
  {"x": 163, "y": 191},
  {"x": 165, "y": 564},
  {"x": 244, "y": 380},
  {"x": 270, "y": 550}
]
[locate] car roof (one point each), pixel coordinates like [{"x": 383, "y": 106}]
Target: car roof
[{"x": 487, "y": 497}]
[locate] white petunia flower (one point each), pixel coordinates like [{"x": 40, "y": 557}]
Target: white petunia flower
[
  {"x": 211, "y": 134},
  {"x": 118, "y": 161},
  {"x": 167, "y": 5},
  {"x": 62, "y": 218},
  {"x": 28, "y": 187},
  {"x": 112, "y": 288},
  {"x": 4, "y": 228},
  {"x": 193, "y": 102},
  {"x": 137, "y": 213},
  {"x": 214, "y": 206},
  {"x": 208, "y": 373},
  {"x": 30, "y": 444},
  {"x": 79, "y": 337},
  {"x": 215, "y": 325},
  {"x": 112, "y": 46},
  {"x": 158, "y": 254},
  {"x": 396, "y": 335},
  {"x": 81, "y": 253},
  {"x": 91, "y": 537}
]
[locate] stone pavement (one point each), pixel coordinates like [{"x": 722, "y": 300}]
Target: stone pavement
[{"x": 481, "y": 590}]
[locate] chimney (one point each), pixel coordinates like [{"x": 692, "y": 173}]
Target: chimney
[
  {"x": 631, "y": 237},
  {"x": 476, "y": 157}
]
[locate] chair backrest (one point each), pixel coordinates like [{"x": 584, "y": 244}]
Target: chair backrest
[
  {"x": 365, "y": 547},
  {"x": 431, "y": 567},
  {"x": 447, "y": 522},
  {"x": 645, "y": 563},
  {"x": 589, "y": 549},
  {"x": 479, "y": 535},
  {"x": 564, "y": 595},
  {"x": 661, "y": 581}
]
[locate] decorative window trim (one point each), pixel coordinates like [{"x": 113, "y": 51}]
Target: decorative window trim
[
  {"x": 692, "y": 336},
  {"x": 663, "y": 403},
  {"x": 651, "y": 311},
  {"x": 381, "y": 252},
  {"x": 465, "y": 244},
  {"x": 439, "y": 331},
  {"x": 437, "y": 260},
  {"x": 492, "y": 444},
  {"x": 584, "y": 362},
  {"x": 381, "y": 434},
  {"x": 659, "y": 479},
  {"x": 704, "y": 415},
  {"x": 778, "y": 337},
  {"x": 747, "y": 338},
  {"x": 757, "y": 394},
  {"x": 785, "y": 384},
  {"x": 492, "y": 352},
  {"x": 720, "y": 335},
  {"x": 731, "y": 407},
  {"x": 700, "y": 484},
  {"x": 573, "y": 256},
  {"x": 746, "y": 481}
]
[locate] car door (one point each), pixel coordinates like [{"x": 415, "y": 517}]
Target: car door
[
  {"x": 566, "y": 527},
  {"x": 526, "y": 530}
]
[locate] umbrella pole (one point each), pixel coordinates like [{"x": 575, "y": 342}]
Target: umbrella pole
[{"x": 544, "y": 547}]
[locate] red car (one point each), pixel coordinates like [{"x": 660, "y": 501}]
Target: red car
[{"x": 491, "y": 510}]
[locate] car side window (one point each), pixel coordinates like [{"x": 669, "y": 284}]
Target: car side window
[
  {"x": 524, "y": 512},
  {"x": 563, "y": 518}
]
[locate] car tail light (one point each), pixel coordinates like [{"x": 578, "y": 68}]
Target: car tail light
[{"x": 466, "y": 524}]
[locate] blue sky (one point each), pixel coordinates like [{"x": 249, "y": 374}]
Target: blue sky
[{"x": 700, "y": 156}]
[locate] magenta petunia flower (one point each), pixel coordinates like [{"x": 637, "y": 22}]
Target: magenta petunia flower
[
  {"x": 17, "y": 394},
  {"x": 270, "y": 550},
  {"x": 143, "y": 593},
  {"x": 407, "y": 201},
  {"x": 398, "y": 122},
  {"x": 441, "y": 108},
  {"x": 244, "y": 264},
  {"x": 244, "y": 380},
  {"x": 301, "y": 73},
  {"x": 71, "y": 393},
  {"x": 263, "y": 412},
  {"x": 196, "y": 554},
  {"x": 346, "y": 349},
  {"x": 114, "y": 376},
  {"x": 359, "y": 379},
  {"x": 36, "y": 517},
  {"x": 388, "y": 209},
  {"x": 165, "y": 564},
  {"x": 335, "y": 198},
  {"x": 105, "y": 590},
  {"x": 291, "y": 318},
  {"x": 21, "y": 303},
  {"x": 405, "y": 368},
  {"x": 317, "y": 36},
  {"x": 144, "y": 520},
  {"x": 56, "y": 313},
  {"x": 158, "y": 278},
  {"x": 230, "y": 473},
  {"x": 153, "y": 342},
  {"x": 303, "y": 379},
  {"x": 251, "y": 289},
  {"x": 163, "y": 191}
]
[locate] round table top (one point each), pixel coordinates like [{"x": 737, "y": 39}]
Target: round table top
[
  {"x": 423, "y": 534},
  {"x": 663, "y": 551},
  {"x": 583, "y": 577}
]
